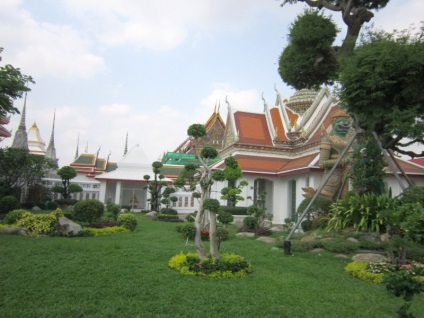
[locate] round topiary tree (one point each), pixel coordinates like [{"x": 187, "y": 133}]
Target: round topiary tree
[
  {"x": 88, "y": 210},
  {"x": 8, "y": 203}
]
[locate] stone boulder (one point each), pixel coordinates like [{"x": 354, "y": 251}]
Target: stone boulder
[
  {"x": 266, "y": 239},
  {"x": 238, "y": 223},
  {"x": 266, "y": 224},
  {"x": 152, "y": 214},
  {"x": 69, "y": 226},
  {"x": 14, "y": 230},
  {"x": 245, "y": 234},
  {"x": 368, "y": 257}
]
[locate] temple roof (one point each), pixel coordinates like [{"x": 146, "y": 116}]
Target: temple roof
[
  {"x": 302, "y": 100},
  {"x": 36, "y": 145}
]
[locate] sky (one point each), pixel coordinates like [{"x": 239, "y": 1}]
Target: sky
[{"x": 149, "y": 68}]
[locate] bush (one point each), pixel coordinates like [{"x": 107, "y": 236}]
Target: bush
[
  {"x": 14, "y": 216},
  {"x": 250, "y": 222},
  {"x": 8, "y": 203},
  {"x": 128, "y": 221},
  {"x": 88, "y": 210},
  {"x": 320, "y": 205},
  {"x": 263, "y": 231},
  {"x": 168, "y": 218},
  {"x": 188, "y": 230},
  {"x": 51, "y": 205},
  {"x": 222, "y": 234},
  {"x": 106, "y": 230},
  {"x": 191, "y": 217},
  {"x": 306, "y": 225},
  {"x": 228, "y": 266},
  {"x": 412, "y": 195},
  {"x": 359, "y": 270},
  {"x": 225, "y": 217},
  {"x": 235, "y": 210},
  {"x": 320, "y": 222},
  {"x": 340, "y": 246},
  {"x": 169, "y": 211},
  {"x": 40, "y": 223},
  {"x": 113, "y": 209}
]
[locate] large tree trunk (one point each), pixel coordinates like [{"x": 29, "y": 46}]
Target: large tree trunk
[
  {"x": 199, "y": 224},
  {"x": 214, "y": 240}
]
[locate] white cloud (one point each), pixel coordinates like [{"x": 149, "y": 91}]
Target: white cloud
[
  {"x": 44, "y": 49},
  {"x": 115, "y": 109}
]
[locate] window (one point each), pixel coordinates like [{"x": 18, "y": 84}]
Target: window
[
  {"x": 185, "y": 202},
  {"x": 292, "y": 198}
]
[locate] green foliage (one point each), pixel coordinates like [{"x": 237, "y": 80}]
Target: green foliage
[
  {"x": 14, "y": 216},
  {"x": 8, "y": 203},
  {"x": 413, "y": 194},
  {"x": 73, "y": 188},
  {"x": 168, "y": 218},
  {"x": 19, "y": 168},
  {"x": 169, "y": 211},
  {"x": 306, "y": 225},
  {"x": 320, "y": 205},
  {"x": 363, "y": 213},
  {"x": 212, "y": 205},
  {"x": 235, "y": 210},
  {"x": 155, "y": 186},
  {"x": 320, "y": 222},
  {"x": 209, "y": 153},
  {"x": 113, "y": 209},
  {"x": 196, "y": 131},
  {"x": 308, "y": 59},
  {"x": 106, "y": 230},
  {"x": 88, "y": 210},
  {"x": 51, "y": 205},
  {"x": 367, "y": 171},
  {"x": 228, "y": 266},
  {"x": 12, "y": 86},
  {"x": 188, "y": 231},
  {"x": 66, "y": 173},
  {"x": 359, "y": 270},
  {"x": 382, "y": 85},
  {"x": 250, "y": 222},
  {"x": 225, "y": 217},
  {"x": 40, "y": 223},
  {"x": 128, "y": 221}
]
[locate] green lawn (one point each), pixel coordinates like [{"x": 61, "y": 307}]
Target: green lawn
[{"x": 126, "y": 275}]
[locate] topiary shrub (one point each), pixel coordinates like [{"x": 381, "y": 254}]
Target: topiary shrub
[
  {"x": 169, "y": 211},
  {"x": 113, "y": 209},
  {"x": 250, "y": 222},
  {"x": 128, "y": 220},
  {"x": 321, "y": 205},
  {"x": 8, "y": 203},
  {"x": 188, "y": 231},
  {"x": 306, "y": 225},
  {"x": 88, "y": 211},
  {"x": 14, "y": 216},
  {"x": 225, "y": 217},
  {"x": 191, "y": 217}
]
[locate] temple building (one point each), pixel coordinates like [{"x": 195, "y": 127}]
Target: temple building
[{"x": 4, "y": 133}]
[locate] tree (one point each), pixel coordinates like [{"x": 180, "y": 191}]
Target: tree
[
  {"x": 155, "y": 186},
  {"x": 201, "y": 176},
  {"x": 67, "y": 173},
  {"x": 383, "y": 84},
  {"x": 12, "y": 86},
  {"x": 381, "y": 79},
  {"x": 19, "y": 169},
  {"x": 231, "y": 173}
]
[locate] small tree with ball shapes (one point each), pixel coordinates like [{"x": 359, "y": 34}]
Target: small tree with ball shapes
[{"x": 155, "y": 186}]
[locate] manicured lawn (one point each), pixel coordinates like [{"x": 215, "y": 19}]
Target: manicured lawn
[{"x": 126, "y": 275}]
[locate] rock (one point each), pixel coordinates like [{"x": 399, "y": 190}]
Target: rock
[
  {"x": 14, "y": 230},
  {"x": 277, "y": 229},
  {"x": 152, "y": 214},
  {"x": 317, "y": 250},
  {"x": 326, "y": 239},
  {"x": 308, "y": 239},
  {"x": 238, "y": 223},
  {"x": 352, "y": 239},
  {"x": 266, "y": 239},
  {"x": 368, "y": 257},
  {"x": 36, "y": 208},
  {"x": 266, "y": 224},
  {"x": 341, "y": 256},
  {"x": 245, "y": 234},
  {"x": 274, "y": 248},
  {"x": 69, "y": 226}
]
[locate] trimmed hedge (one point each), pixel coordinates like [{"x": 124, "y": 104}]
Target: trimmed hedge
[{"x": 235, "y": 210}]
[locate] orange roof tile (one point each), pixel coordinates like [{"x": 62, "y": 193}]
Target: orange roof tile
[
  {"x": 252, "y": 129},
  {"x": 278, "y": 124}
]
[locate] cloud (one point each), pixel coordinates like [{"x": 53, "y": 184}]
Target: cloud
[
  {"x": 115, "y": 109},
  {"x": 45, "y": 49}
]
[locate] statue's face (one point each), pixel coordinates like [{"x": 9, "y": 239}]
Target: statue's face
[{"x": 341, "y": 126}]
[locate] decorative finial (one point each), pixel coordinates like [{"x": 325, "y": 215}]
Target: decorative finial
[{"x": 126, "y": 144}]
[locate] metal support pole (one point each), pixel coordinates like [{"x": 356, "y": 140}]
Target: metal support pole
[
  {"x": 410, "y": 182},
  {"x": 287, "y": 243},
  {"x": 389, "y": 161}
]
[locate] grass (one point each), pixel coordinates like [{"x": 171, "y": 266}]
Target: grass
[{"x": 126, "y": 275}]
